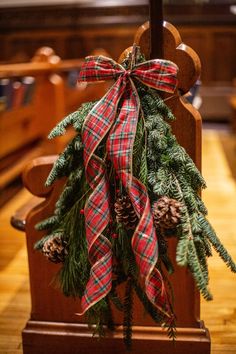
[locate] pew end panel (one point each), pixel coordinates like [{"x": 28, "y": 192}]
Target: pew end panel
[{"x": 53, "y": 326}]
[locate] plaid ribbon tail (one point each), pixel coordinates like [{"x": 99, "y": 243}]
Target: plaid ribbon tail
[
  {"x": 101, "y": 121},
  {"x": 97, "y": 209},
  {"x": 97, "y": 217},
  {"x": 144, "y": 241},
  {"x": 145, "y": 247}
]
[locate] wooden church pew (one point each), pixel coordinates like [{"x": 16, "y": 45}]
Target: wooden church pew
[
  {"x": 53, "y": 326},
  {"x": 27, "y": 113}
]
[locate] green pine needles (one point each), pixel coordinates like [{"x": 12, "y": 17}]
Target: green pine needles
[
  {"x": 171, "y": 172},
  {"x": 166, "y": 169}
]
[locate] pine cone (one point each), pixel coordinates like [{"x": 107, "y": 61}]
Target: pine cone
[
  {"x": 125, "y": 213},
  {"x": 55, "y": 249},
  {"x": 166, "y": 213}
]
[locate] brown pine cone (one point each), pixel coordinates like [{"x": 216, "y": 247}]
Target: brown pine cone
[
  {"x": 166, "y": 213},
  {"x": 125, "y": 213},
  {"x": 55, "y": 249}
]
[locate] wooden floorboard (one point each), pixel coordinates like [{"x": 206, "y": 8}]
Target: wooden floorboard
[
  {"x": 219, "y": 315},
  {"x": 220, "y": 197},
  {"x": 14, "y": 285}
]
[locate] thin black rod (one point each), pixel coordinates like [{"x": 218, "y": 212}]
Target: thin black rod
[{"x": 156, "y": 28}]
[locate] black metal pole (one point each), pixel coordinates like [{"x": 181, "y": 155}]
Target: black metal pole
[{"x": 156, "y": 28}]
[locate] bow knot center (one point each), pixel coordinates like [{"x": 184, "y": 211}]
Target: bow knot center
[{"x": 127, "y": 73}]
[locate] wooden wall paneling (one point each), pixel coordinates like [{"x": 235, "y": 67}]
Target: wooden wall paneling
[
  {"x": 224, "y": 54},
  {"x": 114, "y": 40},
  {"x": 200, "y": 40},
  {"x": 74, "y": 31},
  {"x": 25, "y": 43},
  {"x": 216, "y": 48},
  {"x": 69, "y": 44},
  {"x": 76, "y": 45},
  {"x": 103, "y": 21}
]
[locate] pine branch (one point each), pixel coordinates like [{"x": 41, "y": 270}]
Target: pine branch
[
  {"x": 62, "y": 166},
  {"x": 83, "y": 111},
  {"x": 201, "y": 206},
  {"x": 160, "y": 181},
  {"x": 113, "y": 296},
  {"x": 143, "y": 168},
  {"x": 128, "y": 259},
  {"x": 75, "y": 272},
  {"x": 196, "y": 177},
  {"x": 185, "y": 235},
  {"x": 207, "y": 246},
  {"x": 187, "y": 193},
  {"x": 71, "y": 193},
  {"x": 39, "y": 244},
  {"x": 75, "y": 118},
  {"x": 167, "y": 263},
  {"x": 202, "y": 257},
  {"x": 47, "y": 224},
  {"x": 139, "y": 152},
  {"x": 184, "y": 230},
  {"x": 163, "y": 251},
  {"x": 108, "y": 316},
  {"x": 220, "y": 249},
  {"x": 196, "y": 270},
  {"x": 95, "y": 317},
  {"x": 152, "y": 103},
  {"x": 60, "y": 128}
]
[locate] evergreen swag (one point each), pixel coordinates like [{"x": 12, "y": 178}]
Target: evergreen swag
[{"x": 170, "y": 176}]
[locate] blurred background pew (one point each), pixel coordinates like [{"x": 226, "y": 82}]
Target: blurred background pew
[{"x": 34, "y": 96}]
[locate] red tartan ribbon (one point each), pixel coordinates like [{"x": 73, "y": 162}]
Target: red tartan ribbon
[{"x": 120, "y": 127}]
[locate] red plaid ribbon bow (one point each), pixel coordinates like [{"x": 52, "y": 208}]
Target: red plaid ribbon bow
[{"x": 119, "y": 126}]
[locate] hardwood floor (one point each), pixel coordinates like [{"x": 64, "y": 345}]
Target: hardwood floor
[
  {"x": 14, "y": 286},
  {"x": 219, "y": 315},
  {"x": 220, "y": 197}
]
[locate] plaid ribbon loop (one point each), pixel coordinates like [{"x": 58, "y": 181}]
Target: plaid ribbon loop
[{"x": 120, "y": 128}]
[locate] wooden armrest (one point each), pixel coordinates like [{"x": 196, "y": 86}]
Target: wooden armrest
[
  {"x": 34, "y": 178},
  {"x": 18, "y": 220}
]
